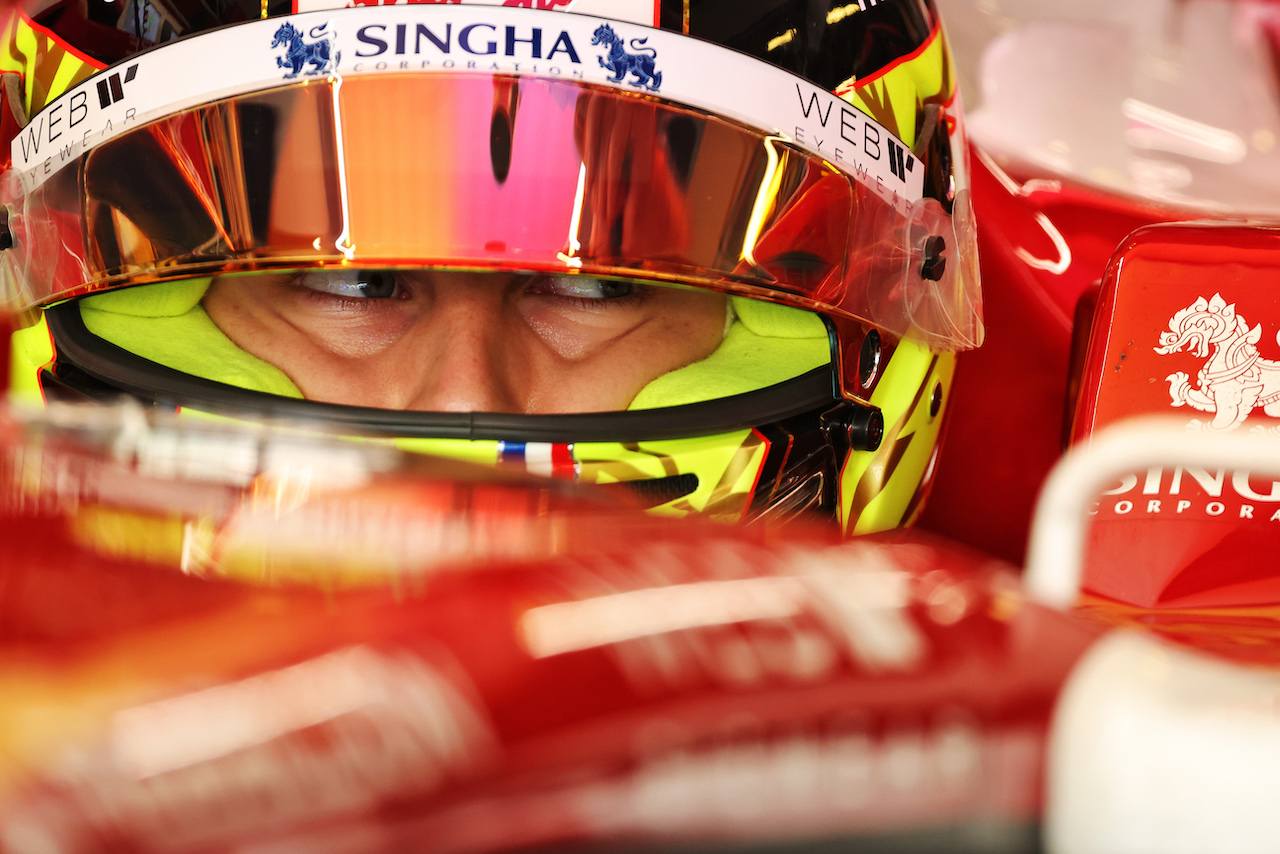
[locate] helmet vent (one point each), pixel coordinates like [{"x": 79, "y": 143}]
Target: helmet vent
[{"x": 659, "y": 490}]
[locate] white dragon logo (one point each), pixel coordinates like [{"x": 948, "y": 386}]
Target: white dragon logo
[{"x": 1235, "y": 380}]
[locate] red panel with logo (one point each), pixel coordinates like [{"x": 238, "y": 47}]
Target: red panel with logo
[
  {"x": 1042, "y": 244},
  {"x": 1187, "y": 326}
]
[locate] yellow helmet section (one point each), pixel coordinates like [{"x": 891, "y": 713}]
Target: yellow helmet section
[
  {"x": 484, "y": 453},
  {"x": 31, "y": 349},
  {"x": 894, "y": 95},
  {"x": 48, "y": 65},
  {"x": 726, "y": 466},
  {"x": 890, "y": 484}
]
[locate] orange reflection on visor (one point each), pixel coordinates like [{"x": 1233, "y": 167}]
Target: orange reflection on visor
[{"x": 476, "y": 171}]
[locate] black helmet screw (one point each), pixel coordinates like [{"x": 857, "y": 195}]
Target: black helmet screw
[
  {"x": 866, "y": 428},
  {"x": 934, "y": 264}
]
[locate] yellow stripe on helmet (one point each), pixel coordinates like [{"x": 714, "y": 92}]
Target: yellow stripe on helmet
[
  {"x": 885, "y": 483},
  {"x": 727, "y": 466},
  {"x": 49, "y": 66},
  {"x": 31, "y": 349},
  {"x": 894, "y": 95}
]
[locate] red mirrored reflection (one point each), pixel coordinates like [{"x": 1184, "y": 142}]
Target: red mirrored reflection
[
  {"x": 1186, "y": 327},
  {"x": 339, "y": 173}
]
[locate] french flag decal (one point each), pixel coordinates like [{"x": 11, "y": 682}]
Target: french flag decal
[{"x": 542, "y": 458}]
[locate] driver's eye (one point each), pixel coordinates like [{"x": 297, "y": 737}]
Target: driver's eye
[
  {"x": 377, "y": 284},
  {"x": 352, "y": 284}
]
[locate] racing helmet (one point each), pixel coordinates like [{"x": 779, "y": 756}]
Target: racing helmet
[{"x": 719, "y": 256}]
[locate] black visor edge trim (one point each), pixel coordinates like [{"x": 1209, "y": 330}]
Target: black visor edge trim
[{"x": 149, "y": 381}]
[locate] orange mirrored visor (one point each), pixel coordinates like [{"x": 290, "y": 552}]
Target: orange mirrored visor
[{"x": 495, "y": 172}]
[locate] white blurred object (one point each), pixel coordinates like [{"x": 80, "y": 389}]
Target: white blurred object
[
  {"x": 1160, "y": 750},
  {"x": 1174, "y": 101},
  {"x": 1154, "y": 748}
]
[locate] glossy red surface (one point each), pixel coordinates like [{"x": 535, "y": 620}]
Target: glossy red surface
[
  {"x": 693, "y": 684},
  {"x": 1187, "y": 314},
  {"x": 1247, "y": 634},
  {"x": 1042, "y": 244},
  {"x": 511, "y": 663}
]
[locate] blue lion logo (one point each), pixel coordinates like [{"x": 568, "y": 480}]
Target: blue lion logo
[
  {"x": 298, "y": 53},
  {"x": 622, "y": 63}
]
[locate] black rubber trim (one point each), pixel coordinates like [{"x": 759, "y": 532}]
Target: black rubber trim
[
  {"x": 141, "y": 378},
  {"x": 651, "y": 492}
]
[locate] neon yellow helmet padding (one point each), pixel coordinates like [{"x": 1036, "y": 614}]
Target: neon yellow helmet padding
[{"x": 166, "y": 324}]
